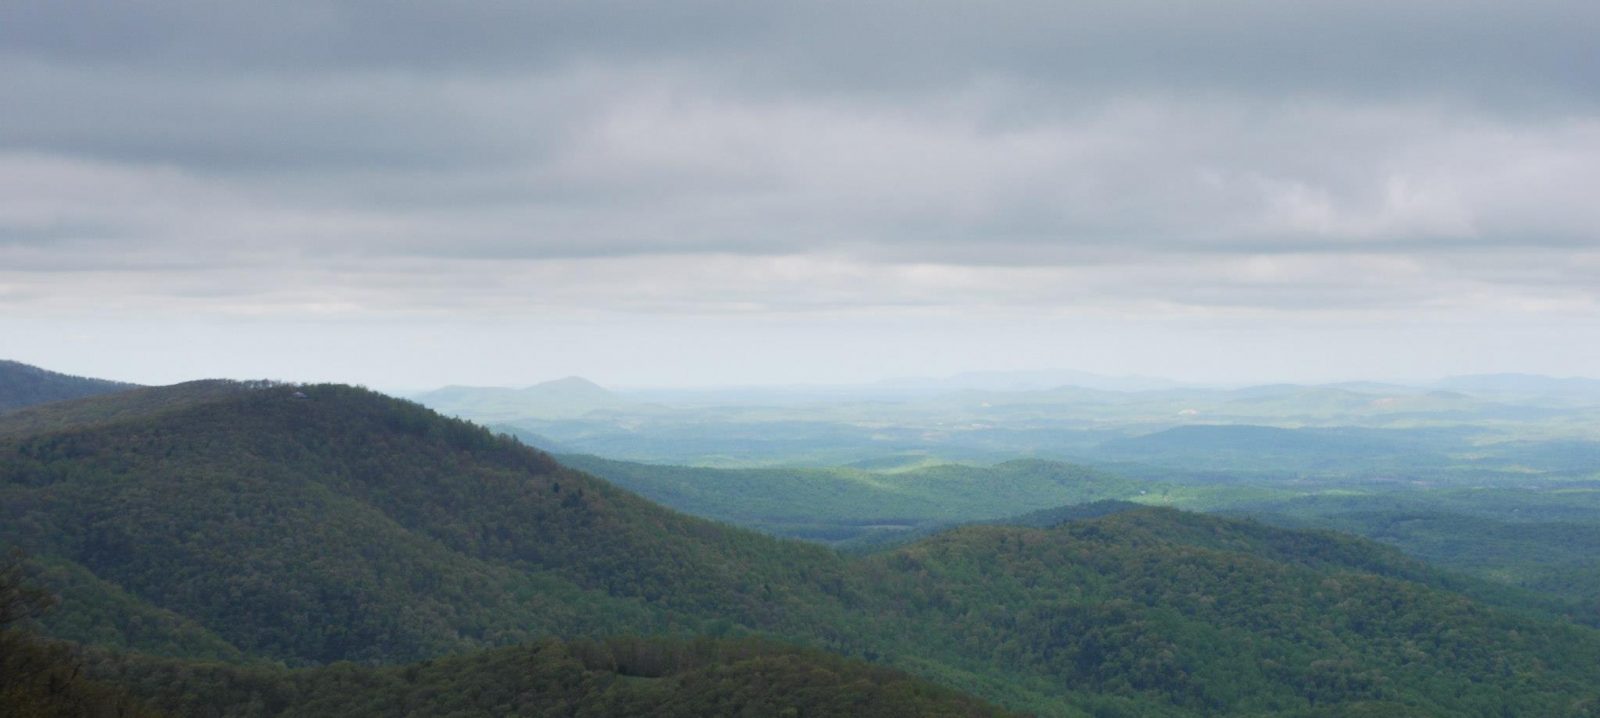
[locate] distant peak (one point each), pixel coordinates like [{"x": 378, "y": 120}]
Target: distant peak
[
  {"x": 570, "y": 382},
  {"x": 572, "y": 387}
]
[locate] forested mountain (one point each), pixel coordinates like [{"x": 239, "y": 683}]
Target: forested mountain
[
  {"x": 616, "y": 678},
  {"x": 40, "y": 678},
  {"x": 620, "y": 677},
  {"x": 1221, "y": 617},
  {"x": 311, "y": 524},
  {"x": 1043, "y": 518},
  {"x": 22, "y": 385},
  {"x": 1551, "y": 548},
  {"x": 351, "y": 526},
  {"x": 133, "y": 405}
]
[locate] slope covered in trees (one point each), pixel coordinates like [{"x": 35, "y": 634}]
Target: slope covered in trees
[
  {"x": 351, "y": 526},
  {"x": 1043, "y": 518},
  {"x": 1546, "y": 542},
  {"x": 22, "y": 385},
  {"x": 1156, "y": 607},
  {"x": 618, "y": 677},
  {"x": 323, "y": 523},
  {"x": 41, "y": 678},
  {"x": 844, "y": 503}
]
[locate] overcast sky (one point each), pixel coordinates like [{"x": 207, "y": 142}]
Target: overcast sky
[{"x": 686, "y": 193}]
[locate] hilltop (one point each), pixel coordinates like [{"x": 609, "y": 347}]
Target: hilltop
[{"x": 571, "y": 397}]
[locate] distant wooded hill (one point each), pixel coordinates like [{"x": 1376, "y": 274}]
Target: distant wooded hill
[
  {"x": 22, "y": 385},
  {"x": 562, "y": 398}
]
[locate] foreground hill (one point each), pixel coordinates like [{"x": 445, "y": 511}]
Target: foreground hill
[
  {"x": 617, "y": 677},
  {"x": 22, "y": 385},
  {"x": 349, "y": 526},
  {"x": 312, "y": 524},
  {"x": 44, "y": 679}
]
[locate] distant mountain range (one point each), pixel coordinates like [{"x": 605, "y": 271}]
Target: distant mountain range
[
  {"x": 1037, "y": 380},
  {"x": 22, "y": 385},
  {"x": 575, "y": 396},
  {"x": 991, "y": 417},
  {"x": 1524, "y": 385},
  {"x": 563, "y": 398}
]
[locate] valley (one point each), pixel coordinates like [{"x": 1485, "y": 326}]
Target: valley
[{"x": 272, "y": 532}]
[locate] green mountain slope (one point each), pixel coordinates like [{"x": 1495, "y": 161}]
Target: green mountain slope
[
  {"x": 1213, "y": 616},
  {"x": 22, "y": 385},
  {"x": 41, "y": 678},
  {"x": 843, "y": 503},
  {"x": 1043, "y": 518},
  {"x": 321, "y": 523},
  {"x": 133, "y": 405},
  {"x": 618, "y": 677},
  {"x": 622, "y": 677},
  {"x": 1543, "y": 541},
  {"x": 348, "y": 525},
  {"x": 94, "y": 611}
]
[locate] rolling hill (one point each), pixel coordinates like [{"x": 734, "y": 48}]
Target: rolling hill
[
  {"x": 559, "y": 399},
  {"x": 313, "y": 524},
  {"x": 1266, "y": 448},
  {"x": 844, "y": 503},
  {"x": 1563, "y": 389},
  {"x": 352, "y": 526}
]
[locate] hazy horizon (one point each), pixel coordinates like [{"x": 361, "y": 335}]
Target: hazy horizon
[
  {"x": 1022, "y": 379},
  {"x": 408, "y": 357}
]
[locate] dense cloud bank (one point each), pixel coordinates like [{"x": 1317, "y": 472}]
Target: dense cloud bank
[{"x": 541, "y": 159}]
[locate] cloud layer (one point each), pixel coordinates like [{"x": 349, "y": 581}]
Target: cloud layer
[{"x": 1242, "y": 159}]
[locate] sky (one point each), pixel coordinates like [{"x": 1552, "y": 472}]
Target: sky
[{"x": 407, "y": 195}]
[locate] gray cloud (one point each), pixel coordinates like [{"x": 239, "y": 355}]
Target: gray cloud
[
  {"x": 1479, "y": 48},
  {"x": 556, "y": 159}
]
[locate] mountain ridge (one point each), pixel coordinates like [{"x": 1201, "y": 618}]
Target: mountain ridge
[
  {"x": 25, "y": 385},
  {"x": 317, "y": 523}
]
